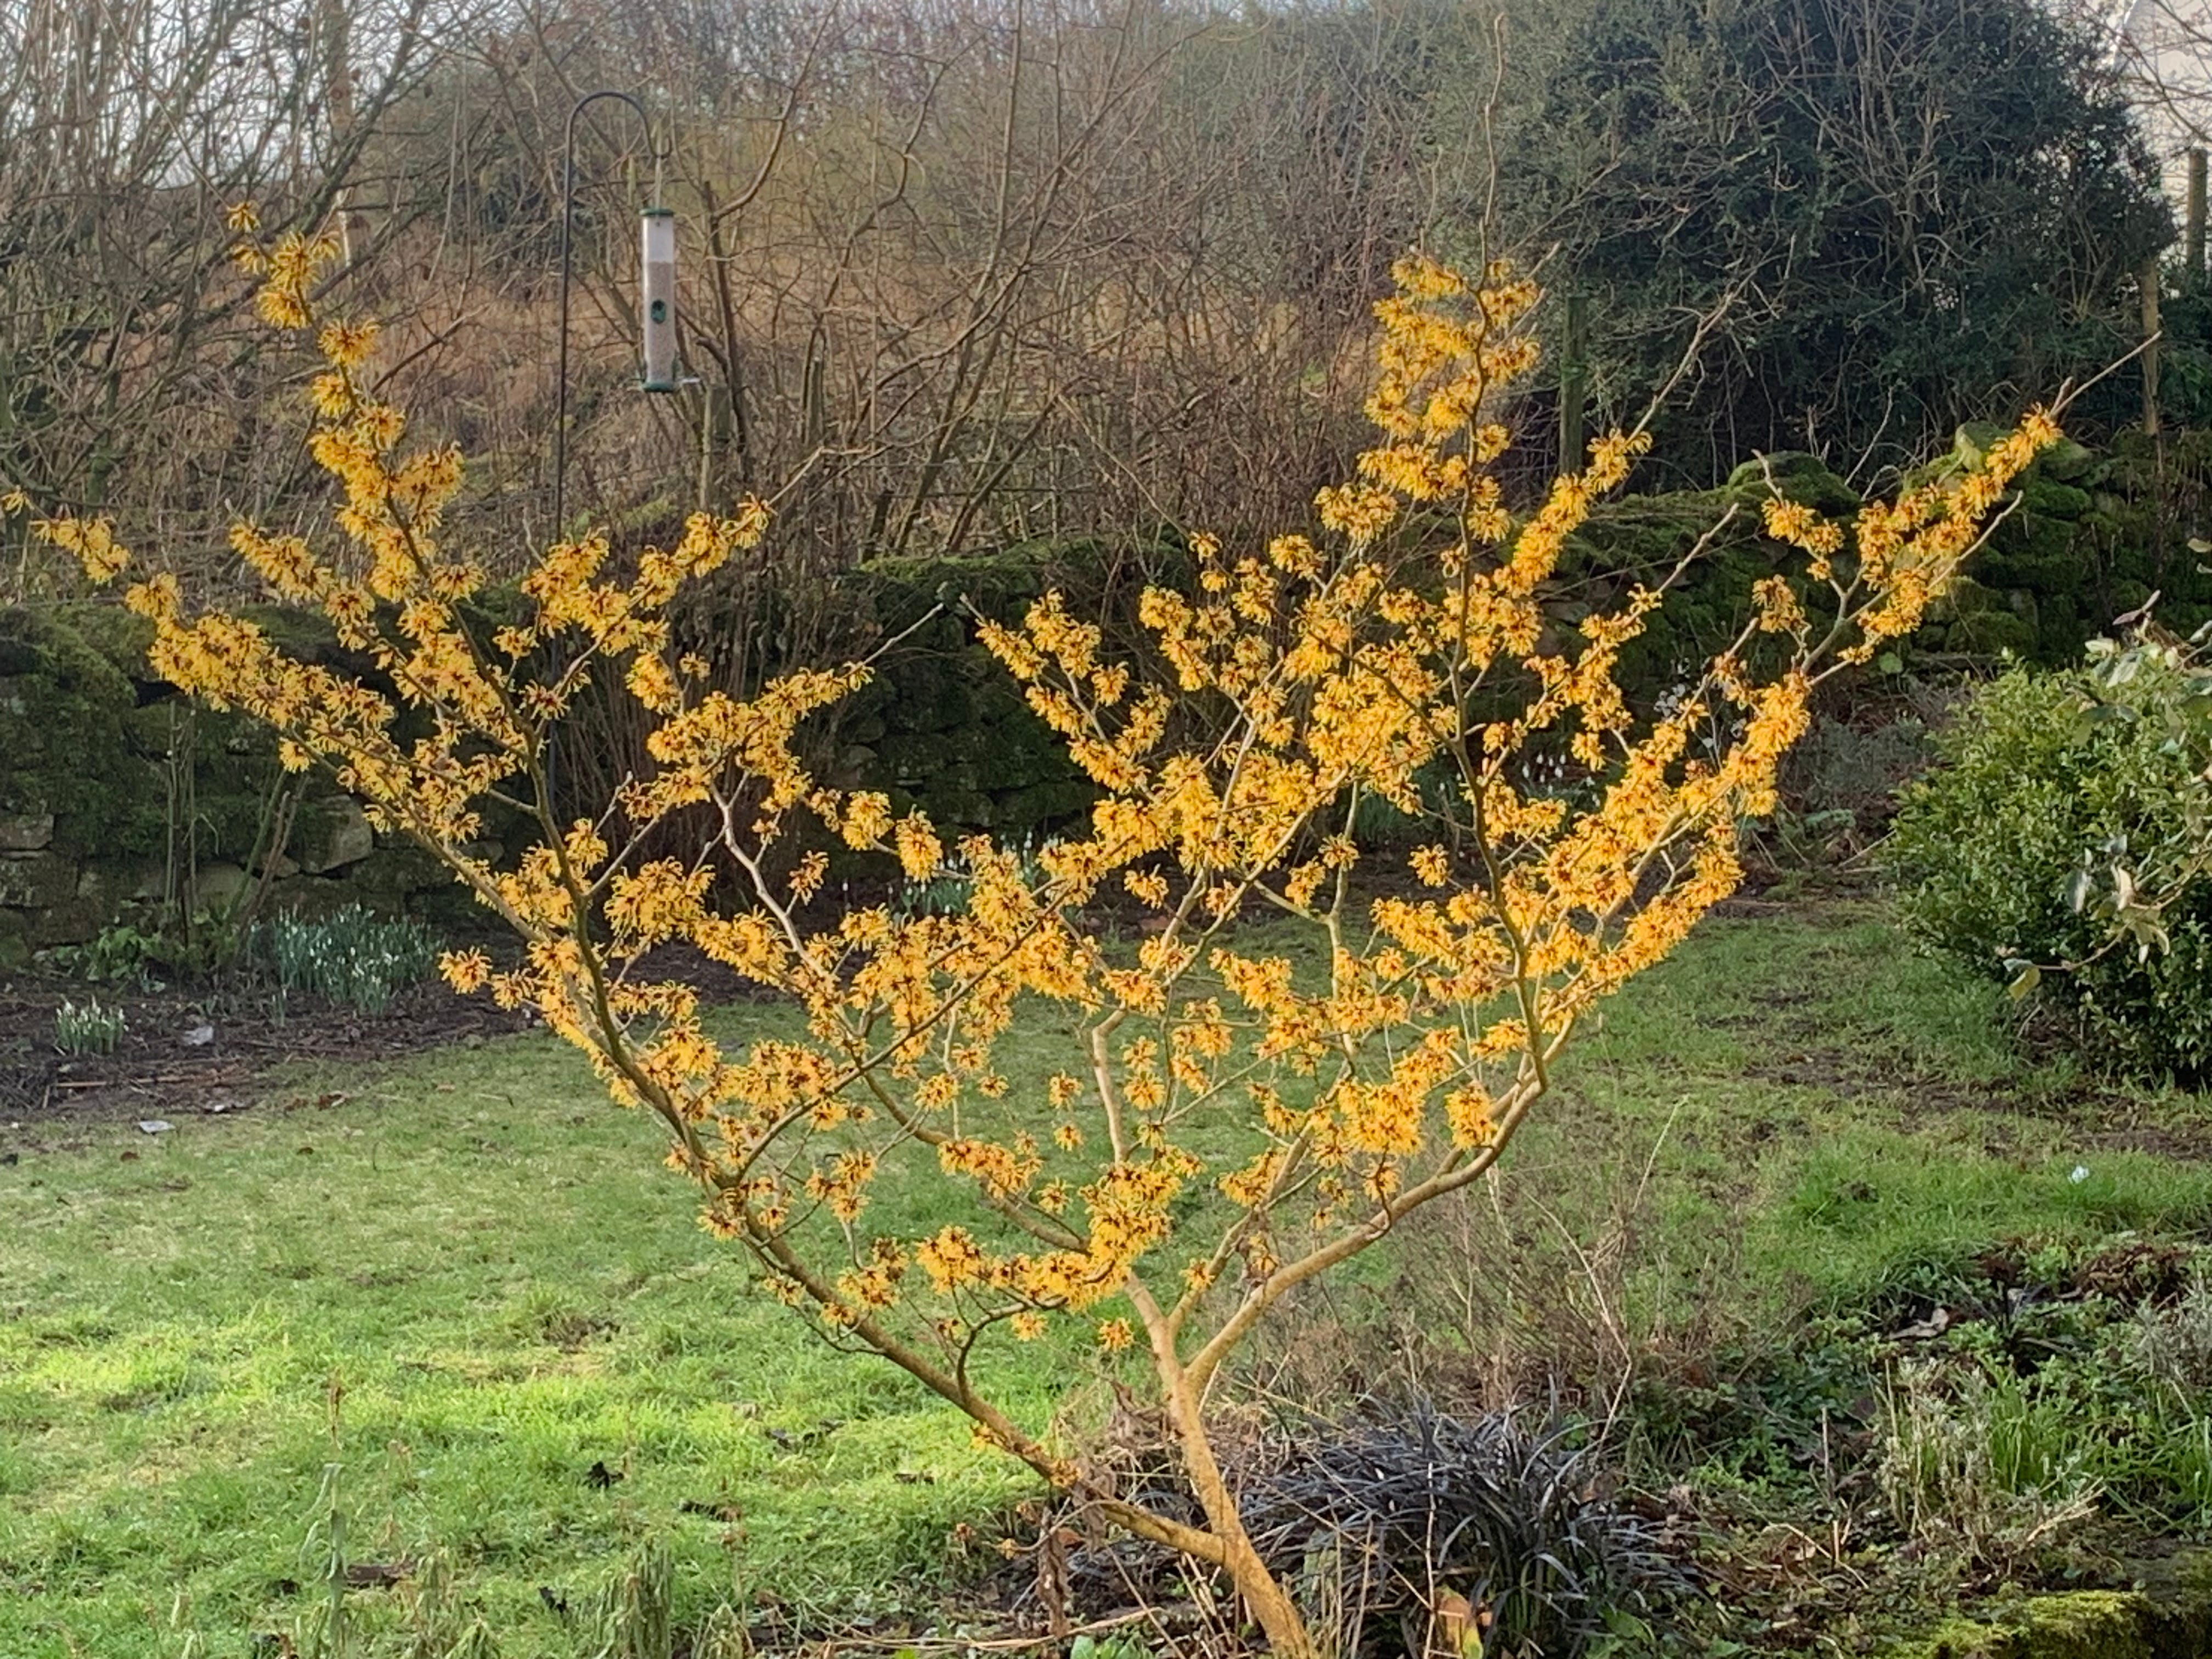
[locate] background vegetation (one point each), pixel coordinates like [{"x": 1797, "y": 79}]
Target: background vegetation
[{"x": 975, "y": 277}]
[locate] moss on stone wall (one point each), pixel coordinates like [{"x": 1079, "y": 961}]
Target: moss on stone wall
[
  {"x": 91, "y": 741},
  {"x": 2169, "y": 1617},
  {"x": 2090, "y": 536},
  {"x": 62, "y": 705},
  {"x": 942, "y": 725},
  {"x": 111, "y": 786}
]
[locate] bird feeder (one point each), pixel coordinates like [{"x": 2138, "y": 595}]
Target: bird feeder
[{"x": 657, "y": 308}]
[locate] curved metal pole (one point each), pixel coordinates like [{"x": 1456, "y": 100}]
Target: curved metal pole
[
  {"x": 567, "y": 222},
  {"x": 561, "y": 382}
]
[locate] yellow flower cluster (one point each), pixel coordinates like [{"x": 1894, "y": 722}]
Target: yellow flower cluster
[{"x": 1908, "y": 551}]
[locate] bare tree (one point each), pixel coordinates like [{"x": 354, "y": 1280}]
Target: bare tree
[
  {"x": 129, "y": 364},
  {"x": 2162, "y": 50}
]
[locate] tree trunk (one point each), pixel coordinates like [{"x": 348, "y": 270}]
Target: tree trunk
[{"x": 1270, "y": 1603}]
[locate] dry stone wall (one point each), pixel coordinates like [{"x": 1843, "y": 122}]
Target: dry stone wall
[{"x": 121, "y": 802}]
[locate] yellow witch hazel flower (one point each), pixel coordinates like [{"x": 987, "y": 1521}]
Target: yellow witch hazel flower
[{"x": 1301, "y": 679}]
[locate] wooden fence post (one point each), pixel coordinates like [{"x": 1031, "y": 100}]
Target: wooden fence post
[{"x": 2192, "y": 240}]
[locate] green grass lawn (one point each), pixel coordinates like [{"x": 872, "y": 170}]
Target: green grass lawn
[
  {"x": 1851, "y": 1110},
  {"x": 488, "y": 1260},
  {"x": 490, "y": 1264}
]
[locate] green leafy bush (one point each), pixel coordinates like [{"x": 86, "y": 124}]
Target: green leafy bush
[
  {"x": 118, "y": 955},
  {"x": 2047, "y": 782}
]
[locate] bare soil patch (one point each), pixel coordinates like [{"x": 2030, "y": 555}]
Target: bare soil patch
[{"x": 189, "y": 1048}]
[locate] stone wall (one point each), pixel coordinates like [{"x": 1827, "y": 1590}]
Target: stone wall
[
  {"x": 119, "y": 801},
  {"x": 943, "y": 725},
  {"x": 116, "y": 796},
  {"x": 2090, "y": 534},
  {"x": 122, "y": 802}
]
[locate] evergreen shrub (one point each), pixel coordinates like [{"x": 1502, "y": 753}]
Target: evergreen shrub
[{"x": 2043, "y": 777}]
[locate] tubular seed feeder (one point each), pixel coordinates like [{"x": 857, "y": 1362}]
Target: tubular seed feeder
[
  {"x": 656, "y": 289},
  {"x": 657, "y": 297}
]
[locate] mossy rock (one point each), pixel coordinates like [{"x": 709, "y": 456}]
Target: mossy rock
[
  {"x": 2061, "y": 627},
  {"x": 26, "y": 832},
  {"x": 331, "y": 833},
  {"x": 234, "y": 777},
  {"x": 2038, "y": 561},
  {"x": 1983, "y": 621},
  {"x": 402, "y": 866},
  {"x": 959, "y": 809},
  {"x": 2049, "y": 499},
  {"x": 153, "y": 730},
  {"x": 2169, "y": 1618},
  {"x": 1795, "y": 477},
  {"x": 35, "y": 880},
  {"x": 1002, "y": 582},
  {"x": 118, "y": 886},
  {"x": 61, "y": 726},
  {"x": 1987, "y": 633},
  {"x": 120, "y": 637},
  {"x": 942, "y": 725},
  {"x": 311, "y": 898},
  {"x": 931, "y": 695},
  {"x": 1044, "y": 807},
  {"x": 399, "y": 879},
  {"x": 917, "y": 760},
  {"x": 1973, "y": 441},
  {"x": 995, "y": 583},
  {"x": 1644, "y": 536},
  {"x": 71, "y": 922},
  {"x": 83, "y": 734},
  {"x": 2086, "y": 528},
  {"x": 302, "y": 635},
  {"x": 453, "y": 909},
  {"x": 2069, "y": 462}
]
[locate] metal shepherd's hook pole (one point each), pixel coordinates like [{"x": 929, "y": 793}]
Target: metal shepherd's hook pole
[
  {"x": 657, "y": 314},
  {"x": 659, "y": 318}
]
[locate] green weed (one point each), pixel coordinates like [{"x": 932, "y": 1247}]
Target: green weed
[{"x": 118, "y": 955}]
